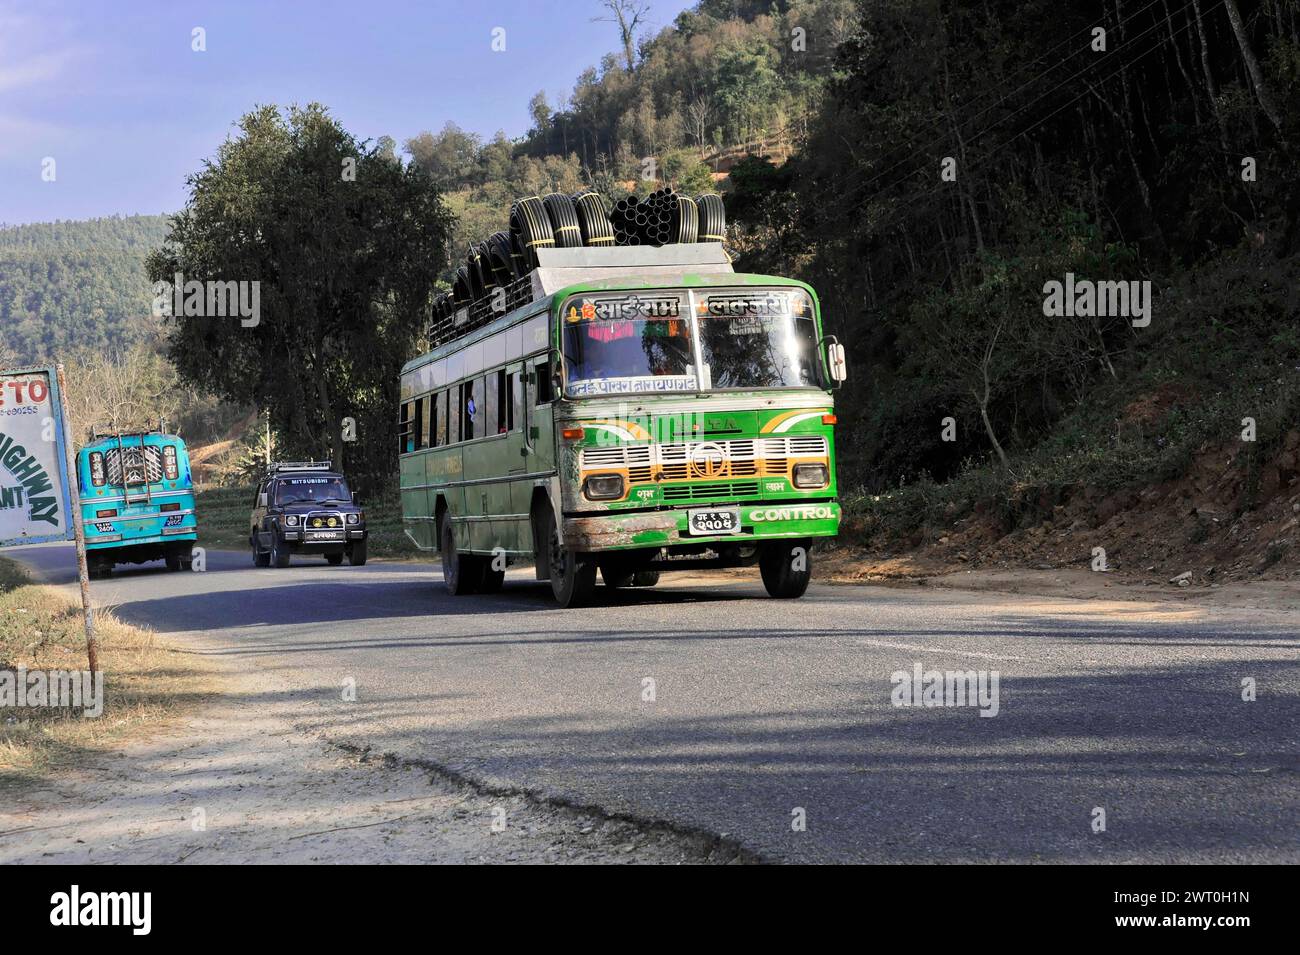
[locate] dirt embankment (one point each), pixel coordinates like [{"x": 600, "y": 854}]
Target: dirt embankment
[{"x": 1226, "y": 524}]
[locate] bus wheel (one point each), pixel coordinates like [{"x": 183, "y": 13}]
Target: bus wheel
[
  {"x": 645, "y": 578},
  {"x": 492, "y": 580},
  {"x": 279, "y": 553},
  {"x": 616, "y": 578},
  {"x": 786, "y": 569},
  {"x": 573, "y": 575},
  {"x": 357, "y": 554},
  {"x": 179, "y": 558},
  {"x": 462, "y": 573},
  {"x": 98, "y": 568},
  {"x": 259, "y": 559}
]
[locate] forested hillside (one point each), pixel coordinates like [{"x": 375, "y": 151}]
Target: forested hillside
[
  {"x": 75, "y": 285},
  {"x": 727, "y": 78}
]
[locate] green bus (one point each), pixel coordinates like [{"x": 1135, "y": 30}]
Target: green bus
[{"x": 625, "y": 411}]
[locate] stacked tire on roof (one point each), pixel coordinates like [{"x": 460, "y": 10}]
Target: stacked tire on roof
[{"x": 559, "y": 221}]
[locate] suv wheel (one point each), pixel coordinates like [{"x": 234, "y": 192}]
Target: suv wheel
[
  {"x": 279, "y": 553},
  {"x": 334, "y": 559},
  {"x": 259, "y": 559},
  {"x": 357, "y": 554}
]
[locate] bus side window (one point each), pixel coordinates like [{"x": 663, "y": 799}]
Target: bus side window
[
  {"x": 515, "y": 410},
  {"x": 440, "y": 402},
  {"x": 495, "y": 406},
  {"x": 431, "y": 421},
  {"x": 417, "y": 431},
  {"x": 453, "y": 413},
  {"x": 404, "y": 442},
  {"x": 543, "y": 371},
  {"x": 469, "y": 413}
]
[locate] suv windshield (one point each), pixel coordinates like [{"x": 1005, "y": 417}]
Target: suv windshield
[
  {"x": 638, "y": 342},
  {"x": 311, "y": 489}
]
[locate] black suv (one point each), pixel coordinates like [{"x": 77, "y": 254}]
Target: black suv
[{"x": 306, "y": 508}]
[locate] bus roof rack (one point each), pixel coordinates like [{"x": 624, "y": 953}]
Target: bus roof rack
[
  {"x": 300, "y": 466},
  {"x": 558, "y": 268},
  {"x": 114, "y": 430}
]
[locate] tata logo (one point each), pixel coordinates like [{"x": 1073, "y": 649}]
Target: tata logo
[{"x": 708, "y": 460}]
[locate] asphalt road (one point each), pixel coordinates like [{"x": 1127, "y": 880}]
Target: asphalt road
[{"x": 762, "y": 708}]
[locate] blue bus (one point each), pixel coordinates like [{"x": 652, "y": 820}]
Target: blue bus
[{"x": 137, "y": 499}]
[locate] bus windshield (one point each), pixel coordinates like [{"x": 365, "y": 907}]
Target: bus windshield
[
  {"x": 642, "y": 342},
  {"x": 758, "y": 339},
  {"x": 628, "y": 343}
]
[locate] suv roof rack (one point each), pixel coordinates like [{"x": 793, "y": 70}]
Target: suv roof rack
[{"x": 300, "y": 466}]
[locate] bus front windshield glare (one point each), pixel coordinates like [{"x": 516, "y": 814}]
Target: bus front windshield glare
[{"x": 634, "y": 343}]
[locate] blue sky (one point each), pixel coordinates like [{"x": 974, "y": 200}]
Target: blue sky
[{"x": 113, "y": 92}]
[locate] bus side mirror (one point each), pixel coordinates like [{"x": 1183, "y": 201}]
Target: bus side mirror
[{"x": 835, "y": 362}]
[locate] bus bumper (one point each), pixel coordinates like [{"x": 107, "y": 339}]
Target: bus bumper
[
  {"x": 110, "y": 541},
  {"x": 759, "y": 520}
]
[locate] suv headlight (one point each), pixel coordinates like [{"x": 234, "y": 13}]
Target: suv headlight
[
  {"x": 810, "y": 475},
  {"x": 603, "y": 487},
  {"x": 291, "y": 520},
  {"x": 354, "y": 518}
]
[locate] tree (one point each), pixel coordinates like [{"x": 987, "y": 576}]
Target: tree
[
  {"x": 449, "y": 156},
  {"x": 345, "y": 243},
  {"x": 628, "y": 14}
]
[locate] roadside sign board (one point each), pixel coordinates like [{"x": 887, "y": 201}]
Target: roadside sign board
[{"x": 35, "y": 483}]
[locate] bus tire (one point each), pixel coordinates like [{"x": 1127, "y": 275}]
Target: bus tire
[
  {"x": 573, "y": 575},
  {"x": 777, "y": 565},
  {"x": 357, "y": 554},
  {"x": 99, "y": 569},
  {"x": 615, "y": 577},
  {"x": 279, "y": 553},
  {"x": 645, "y": 578},
  {"x": 492, "y": 580},
  {"x": 259, "y": 559},
  {"x": 462, "y": 573}
]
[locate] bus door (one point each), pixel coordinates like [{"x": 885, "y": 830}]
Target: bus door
[{"x": 521, "y": 458}]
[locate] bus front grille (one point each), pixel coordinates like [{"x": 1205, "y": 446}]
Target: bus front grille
[{"x": 696, "y": 492}]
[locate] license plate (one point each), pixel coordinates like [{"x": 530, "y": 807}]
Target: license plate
[
  {"x": 324, "y": 535},
  {"x": 710, "y": 523}
]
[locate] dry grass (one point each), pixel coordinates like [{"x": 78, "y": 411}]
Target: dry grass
[{"x": 147, "y": 683}]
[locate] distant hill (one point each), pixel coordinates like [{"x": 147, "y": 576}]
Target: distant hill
[{"x": 66, "y": 286}]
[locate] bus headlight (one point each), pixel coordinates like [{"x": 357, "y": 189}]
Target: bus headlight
[
  {"x": 810, "y": 475},
  {"x": 603, "y": 487},
  {"x": 291, "y": 520}
]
